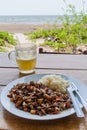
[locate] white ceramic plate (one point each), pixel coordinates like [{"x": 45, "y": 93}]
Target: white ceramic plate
[{"x": 9, "y": 106}]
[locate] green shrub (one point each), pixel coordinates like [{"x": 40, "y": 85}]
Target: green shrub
[
  {"x": 7, "y": 37},
  {"x": 2, "y": 42},
  {"x": 2, "y": 49}
]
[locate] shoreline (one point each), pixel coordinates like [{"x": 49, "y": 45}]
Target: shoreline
[{"x": 23, "y": 28}]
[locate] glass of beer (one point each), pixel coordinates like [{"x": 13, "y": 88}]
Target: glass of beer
[{"x": 26, "y": 55}]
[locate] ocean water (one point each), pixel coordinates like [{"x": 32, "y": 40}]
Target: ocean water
[{"x": 30, "y": 19}]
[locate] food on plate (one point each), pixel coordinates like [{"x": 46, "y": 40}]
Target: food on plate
[
  {"x": 38, "y": 99},
  {"x": 55, "y": 82}
]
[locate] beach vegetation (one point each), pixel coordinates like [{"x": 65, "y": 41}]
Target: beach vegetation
[
  {"x": 6, "y": 39},
  {"x": 3, "y": 49},
  {"x": 2, "y": 42},
  {"x": 72, "y": 33},
  {"x": 39, "y": 33}
]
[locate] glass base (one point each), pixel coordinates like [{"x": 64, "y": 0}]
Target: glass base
[{"x": 26, "y": 72}]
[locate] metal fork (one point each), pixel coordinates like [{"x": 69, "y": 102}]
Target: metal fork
[
  {"x": 76, "y": 105},
  {"x": 83, "y": 102}
]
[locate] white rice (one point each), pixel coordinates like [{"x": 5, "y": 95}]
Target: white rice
[{"x": 54, "y": 82}]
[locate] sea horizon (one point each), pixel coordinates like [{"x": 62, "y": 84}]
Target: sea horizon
[{"x": 29, "y": 19}]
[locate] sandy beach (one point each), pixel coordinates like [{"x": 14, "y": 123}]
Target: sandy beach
[
  {"x": 18, "y": 31},
  {"x": 22, "y": 28}
]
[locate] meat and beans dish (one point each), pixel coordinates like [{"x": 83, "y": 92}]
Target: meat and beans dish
[{"x": 39, "y": 99}]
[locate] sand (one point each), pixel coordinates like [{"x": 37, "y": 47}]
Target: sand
[
  {"x": 23, "y": 28},
  {"x": 18, "y": 31}
]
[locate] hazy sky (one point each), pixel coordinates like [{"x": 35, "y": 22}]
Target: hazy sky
[{"x": 37, "y": 7}]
